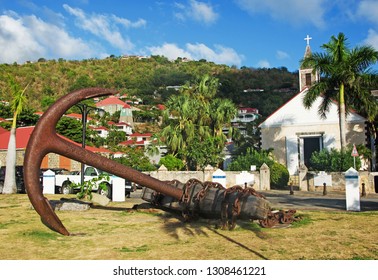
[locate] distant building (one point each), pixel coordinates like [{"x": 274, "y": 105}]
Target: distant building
[
  {"x": 245, "y": 115},
  {"x": 113, "y": 104},
  {"x": 125, "y": 127}
]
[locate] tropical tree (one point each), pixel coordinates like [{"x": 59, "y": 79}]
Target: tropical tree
[
  {"x": 195, "y": 117},
  {"x": 345, "y": 77},
  {"x": 19, "y": 100}
]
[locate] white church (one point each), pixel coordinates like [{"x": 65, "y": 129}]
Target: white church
[{"x": 295, "y": 132}]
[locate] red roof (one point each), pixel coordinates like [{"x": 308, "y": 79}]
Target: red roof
[
  {"x": 112, "y": 100},
  {"x": 131, "y": 143},
  {"x": 248, "y": 110},
  {"x": 77, "y": 116},
  {"x": 23, "y": 135},
  {"x": 2, "y": 130}
]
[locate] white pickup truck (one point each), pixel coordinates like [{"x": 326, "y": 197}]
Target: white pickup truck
[{"x": 64, "y": 182}]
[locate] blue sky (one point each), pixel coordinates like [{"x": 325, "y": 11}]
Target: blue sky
[{"x": 251, "y": 33}]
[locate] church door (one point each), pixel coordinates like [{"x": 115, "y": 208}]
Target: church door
[{"x": 310, "y": 145}]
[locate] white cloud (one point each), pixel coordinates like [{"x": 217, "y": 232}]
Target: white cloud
[
  {"x": 372, "y": 39},
  {"x": 127, "y": 23},
  {"x": 105, "y": 27},
  {"x": 368, "y": 9},
  {"x": 196, "y": 10},
  {"x": 171, "y": 51},
  {"x": 220, "y": 54},
  {"x": 282, "y": 55},
  {"x": 294, "y": 11},
  {"x": 263, "y": 64},
  {"x": 29, "y": 38}
]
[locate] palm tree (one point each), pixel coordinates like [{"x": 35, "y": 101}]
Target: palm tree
[
  {"x": 180, "y": 123},
  {"x": 18, "y": 102},
  {"x": 195, "y": 115},
  {"x": 345, "y": 77}
]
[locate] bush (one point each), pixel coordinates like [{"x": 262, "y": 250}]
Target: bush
[
  {"x": 251, "y": 157},
  {"x": 333, "y": 160},
  {"x": 172, "y": 163},
  {"x": 279, "y": 175}
]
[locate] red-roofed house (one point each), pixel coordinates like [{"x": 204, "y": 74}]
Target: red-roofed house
[
  {"x": 140, "y": 136},
  {"x": 137, "y": 139},
  {"x": 125, "y": 127},
  {"x": 51, "y": 160},
  {"x": 102, "y": 131},
  {"x": 113, "y": 104}
]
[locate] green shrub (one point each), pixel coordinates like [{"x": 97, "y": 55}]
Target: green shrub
[
  {"x": 251, "y": 157},
  {"x": 279, "y": 175},
  {"x": 333, "y": 160},
  {"x": 172, "y": 163}
]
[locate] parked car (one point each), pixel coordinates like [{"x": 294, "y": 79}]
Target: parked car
[
  {"x": 19, "y": 178},
  {"x": 68, "y": 183}
]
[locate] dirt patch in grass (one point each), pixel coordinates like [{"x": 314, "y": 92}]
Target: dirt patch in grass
[{"x": 119, "y": 232}]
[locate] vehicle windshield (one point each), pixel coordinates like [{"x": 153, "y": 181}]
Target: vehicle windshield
[{"x": 102, "y": 172}]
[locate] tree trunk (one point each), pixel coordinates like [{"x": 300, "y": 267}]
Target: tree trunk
[
  {"x": 10, "y": 173},
  {"x": 342, "y": 119}
]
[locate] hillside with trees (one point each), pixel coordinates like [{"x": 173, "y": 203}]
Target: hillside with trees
[
  {"x": 211, "y": 93},
  {"x": 148, "y": 79}
]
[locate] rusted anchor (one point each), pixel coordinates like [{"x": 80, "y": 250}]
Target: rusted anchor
[{"x": 44, "y": 140}]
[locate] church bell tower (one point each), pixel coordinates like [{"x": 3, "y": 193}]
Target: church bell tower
[{"x": 306, "y": 75}]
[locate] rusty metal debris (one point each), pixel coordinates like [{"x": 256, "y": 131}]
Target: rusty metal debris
[{"x": 193, "y": 198}]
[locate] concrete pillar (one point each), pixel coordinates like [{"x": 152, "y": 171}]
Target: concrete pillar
[
  {"x": 264, "y": 177},
  {"x": 48, "y": 182},
  {"x": 352, "y": 190},
  {"x": 118, "y": 189},
  {"x": 219, "y": 176},
  {"x": 207, "y": 173},
  {"x": 303, "y": 180}
]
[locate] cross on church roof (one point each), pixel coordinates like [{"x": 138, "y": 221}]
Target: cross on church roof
[{"x": 308, "y": 38}]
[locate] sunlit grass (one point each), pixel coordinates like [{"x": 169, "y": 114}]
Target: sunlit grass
[{"x": 120, "y": 232}]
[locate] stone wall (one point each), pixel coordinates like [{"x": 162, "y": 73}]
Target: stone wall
[
  {"x": 260, "y": 182},
  {"x": 20, "y": 154},
  {"x": 306, "y": 181}
]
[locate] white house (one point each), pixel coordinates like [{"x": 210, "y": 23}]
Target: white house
[
  {"x": 102, "y": 131},
  {"x": 125, "y": 127}
]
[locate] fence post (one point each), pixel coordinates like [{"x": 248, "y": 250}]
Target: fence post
[
  {"x": 303, "y": 183},
  {"x": 264, "y": 177},
  {"x": 48, "y": 182},
  {"x": 352, "y": 190}
]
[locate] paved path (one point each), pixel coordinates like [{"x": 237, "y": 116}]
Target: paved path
[{"x": 316, "y": 201}]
